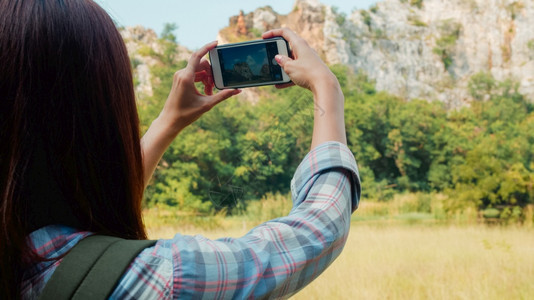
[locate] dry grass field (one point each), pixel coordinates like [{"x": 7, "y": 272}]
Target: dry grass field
[
  {"x": 437, "y": 262},
  {"x": 399, "y": 261}
]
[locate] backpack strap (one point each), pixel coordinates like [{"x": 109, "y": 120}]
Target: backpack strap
[{"x": 92, "y": 268}]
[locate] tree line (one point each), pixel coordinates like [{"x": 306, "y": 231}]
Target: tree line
[{"x": 479, "y": 155}]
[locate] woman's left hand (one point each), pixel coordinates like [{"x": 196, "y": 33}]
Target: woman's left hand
[{"x": 185, "y": 103}]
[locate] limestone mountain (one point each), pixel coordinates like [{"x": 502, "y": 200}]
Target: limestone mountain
[
  {"x": 413, "y": 48},
  {"x": 143, "y": 45}
]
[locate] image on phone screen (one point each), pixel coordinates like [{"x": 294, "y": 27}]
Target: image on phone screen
[{"x": 249, "y": 64}]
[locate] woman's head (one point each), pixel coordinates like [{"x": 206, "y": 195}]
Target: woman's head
[{"x": 69, "y": 137}]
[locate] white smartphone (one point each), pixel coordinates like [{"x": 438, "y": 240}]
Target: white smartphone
[{"x": 248, "y": 64}]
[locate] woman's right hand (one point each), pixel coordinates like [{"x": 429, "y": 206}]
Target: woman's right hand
[{"x": 306, "y": 69}]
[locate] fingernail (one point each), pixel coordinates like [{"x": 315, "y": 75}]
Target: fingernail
[{"x": 278, "y": 58}]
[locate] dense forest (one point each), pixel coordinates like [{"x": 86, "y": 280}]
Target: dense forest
[{"x": 481, "y": 155}]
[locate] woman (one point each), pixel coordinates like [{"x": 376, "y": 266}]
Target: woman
[{"x": 72, "y": 164}]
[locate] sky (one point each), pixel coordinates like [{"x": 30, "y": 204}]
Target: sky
[{"x": 199, "y": 21}]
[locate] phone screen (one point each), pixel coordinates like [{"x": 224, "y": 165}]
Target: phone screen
[{"x": 250, "y": 64}]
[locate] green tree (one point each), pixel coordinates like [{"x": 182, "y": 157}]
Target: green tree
[
  {"x": 495, "y": 168},
  {"x": 479, "y": 155}
]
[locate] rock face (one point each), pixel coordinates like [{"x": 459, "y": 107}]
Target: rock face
[
  {"x": 136, "y": 38},
  {"x": 415, "y": 48},
  {"x": 140, "y": 42}
]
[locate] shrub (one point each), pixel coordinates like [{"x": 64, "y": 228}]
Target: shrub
[
  {"x": 366, "y": 17},
  {"x": 450, "y": 32},
  {"x": 417, "y": 3}
]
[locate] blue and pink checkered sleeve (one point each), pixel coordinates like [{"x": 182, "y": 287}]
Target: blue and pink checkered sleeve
[{"x": 275, "y": 259}]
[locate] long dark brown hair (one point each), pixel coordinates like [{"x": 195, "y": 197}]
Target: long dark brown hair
[{"x": 69, "y": 130}]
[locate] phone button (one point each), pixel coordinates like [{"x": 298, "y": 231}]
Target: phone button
[{"x": 275, "y": 62}]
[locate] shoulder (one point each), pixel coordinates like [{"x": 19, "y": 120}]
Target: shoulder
[
  {"x": 149, "y": 275},
  {"x": 48, "y": 242}
]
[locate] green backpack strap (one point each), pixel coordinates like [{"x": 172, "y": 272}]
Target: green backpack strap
[{"x": 92, "y": 268}]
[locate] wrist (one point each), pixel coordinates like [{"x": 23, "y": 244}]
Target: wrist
[
  {"x": 326, "y": 84},
  {"x": 328, "y": 94},
  {"x": 167, "y": 124},
  {"x": 329, "y": 120}
]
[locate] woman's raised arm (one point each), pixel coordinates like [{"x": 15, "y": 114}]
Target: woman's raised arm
[
  {"x": 184, "y": 105},
  {"x": 306, "y": 69}
]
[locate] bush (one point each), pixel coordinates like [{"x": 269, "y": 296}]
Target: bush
[
  {"x": 417, "y": 3},
  {"x": 445, "y": 45},
  {"x": 366, "y": 17},
  {"x": 269, "y": 207}
]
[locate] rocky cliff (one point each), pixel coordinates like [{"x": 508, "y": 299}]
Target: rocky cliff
[
  {"x": 413, "y": 48},
  {"x": 142, "y": 43}
]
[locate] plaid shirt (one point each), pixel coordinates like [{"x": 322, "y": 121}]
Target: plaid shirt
[{"x": 274, "y": 260}]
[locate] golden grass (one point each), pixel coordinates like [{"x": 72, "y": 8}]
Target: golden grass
[
  {"x": 416, "y": 262},
  {"x": 436, "y": 262}
]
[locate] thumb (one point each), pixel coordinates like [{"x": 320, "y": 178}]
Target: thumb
[
  {"x": 282, "y": 60},
  {"x": 223, "y": 95}
]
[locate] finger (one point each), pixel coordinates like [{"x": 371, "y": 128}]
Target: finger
[
  {"x": 223, "y": 95},
  {"x": 282, "y": 60},
  {"x": 283, "y": 32},
  {"x": 296, "y": 43},
  {"x": 200, "y": 76},
  {"x": 194, "y": 61},
  {"x": 211, "y": 82},
  {"x": 286, "y": 33},
  {"x": 204, "y": 77},
  {"x": 206, "y": 80},
  {"x": 208, "y": 89},
  {"x": 286, "y": 63},
  {"x": 204, "y": 66},
  {"x": 284, "y": 85},
  {"x": 207, "y": 83}
]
